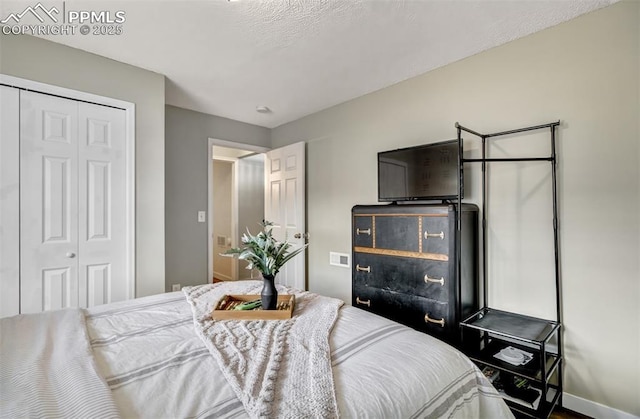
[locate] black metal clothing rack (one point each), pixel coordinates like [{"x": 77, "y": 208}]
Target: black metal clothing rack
[{"x": 554, "y": 327}]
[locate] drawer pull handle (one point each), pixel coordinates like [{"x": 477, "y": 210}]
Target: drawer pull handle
[
  {"x": 427, "y": 235},
  {"x": 363, "y": 302},
  {"x": 363, "y": 268},
  {"x": 427, "y": 280},
  {"x": 363, "y": 231},
  {"x": 428, "y": 319}
]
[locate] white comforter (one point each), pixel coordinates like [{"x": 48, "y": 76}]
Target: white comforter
[{"x": 157, "y": 367}]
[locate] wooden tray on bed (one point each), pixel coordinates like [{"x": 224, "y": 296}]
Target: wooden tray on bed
[{"x": 284, "y": 310}]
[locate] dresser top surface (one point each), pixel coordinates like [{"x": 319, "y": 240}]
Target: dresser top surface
[{"x": 402, "y": 209}]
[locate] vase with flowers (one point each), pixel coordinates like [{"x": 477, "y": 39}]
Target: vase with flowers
[{"x": 268, "y": 255}]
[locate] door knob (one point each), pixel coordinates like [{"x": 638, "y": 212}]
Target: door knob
[
  {"x": 71, "y": 255},
  {"x": 300, "y": 235}
]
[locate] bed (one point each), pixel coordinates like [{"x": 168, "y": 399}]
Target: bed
[{"x": 146, "y": 358}]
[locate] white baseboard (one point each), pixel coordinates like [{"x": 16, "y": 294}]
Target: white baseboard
[{"x": 593, "y": 409}]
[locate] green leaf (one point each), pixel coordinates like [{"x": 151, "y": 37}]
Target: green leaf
[{"x": 263, "y": 252}]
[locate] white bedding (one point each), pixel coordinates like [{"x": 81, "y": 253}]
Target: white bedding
[
  {"x": 47, "y": 369},
  {"x": 158, "y": 367}
]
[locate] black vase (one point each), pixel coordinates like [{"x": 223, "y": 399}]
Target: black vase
[{"x": 269, "y": 294}]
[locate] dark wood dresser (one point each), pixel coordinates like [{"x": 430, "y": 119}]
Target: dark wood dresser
[{"x": 404, "y": 265}]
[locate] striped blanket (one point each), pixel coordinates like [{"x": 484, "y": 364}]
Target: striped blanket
[
  {"x": 47, "y": 368},
  {"x": 156, "y": 366}
]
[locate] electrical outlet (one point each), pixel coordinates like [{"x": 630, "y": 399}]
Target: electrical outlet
[
  {"x": 175, "y": 287},
  {"x": 202, "y": 216}
]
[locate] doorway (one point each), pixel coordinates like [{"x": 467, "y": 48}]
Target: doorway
[{"x": 236, "y": 202}]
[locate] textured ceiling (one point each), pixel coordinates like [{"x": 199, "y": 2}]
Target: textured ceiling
[{"x": 301, "y": 56}]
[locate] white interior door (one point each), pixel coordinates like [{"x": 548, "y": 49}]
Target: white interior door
[
  {"x": 72, "y": 194},
  {"x": 285, "y": 206}
]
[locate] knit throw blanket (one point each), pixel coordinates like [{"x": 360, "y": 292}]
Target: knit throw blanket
[{"x": 277, "y": 368}]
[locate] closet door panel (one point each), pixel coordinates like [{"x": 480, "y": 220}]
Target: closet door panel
[
  {"x": 58, "y": 288},
  {"x": 102, "y": 213},
  {"x": 48, "y": 202},
  {"x": 9, "y": 201}
]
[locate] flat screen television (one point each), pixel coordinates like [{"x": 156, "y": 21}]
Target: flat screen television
[{"x": 426, "y": 172}]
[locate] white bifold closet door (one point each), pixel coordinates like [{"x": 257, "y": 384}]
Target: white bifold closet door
[{"x": 72, "y": 203}]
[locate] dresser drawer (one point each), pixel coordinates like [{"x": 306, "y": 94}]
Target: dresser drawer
[
  {"x": 398, "y": 233},
  {"x": 425, "y": 278},
  {"x": 363, "y": 230},
  {"x": 420, "y": 313},
  {"x": 404, "y": 233},
  {"x": 435, "y": 236}
]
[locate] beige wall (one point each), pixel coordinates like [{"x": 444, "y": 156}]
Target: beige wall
[
  {"x": 47, "y": 62},
  {"x": 584, "y": 72},
  {"x": 222, "y": 183},
  {"x": 250, "y": 204}
]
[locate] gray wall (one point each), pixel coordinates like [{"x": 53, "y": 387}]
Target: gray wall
[
  {"x": 47, "y": 62},
  {"x": 584, "y": 72},
  {"x": 186, "y": 142}
]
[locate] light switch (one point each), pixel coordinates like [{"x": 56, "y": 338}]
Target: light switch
[{"x": 202, "y": 216}]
